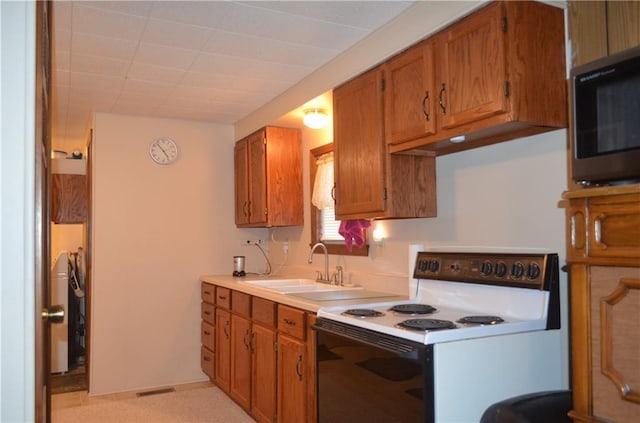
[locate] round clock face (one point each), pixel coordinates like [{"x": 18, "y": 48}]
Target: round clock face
[{"x": 163, "y": 151}]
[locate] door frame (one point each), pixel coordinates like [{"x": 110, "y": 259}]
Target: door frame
[{"x": 17, "y": 225}]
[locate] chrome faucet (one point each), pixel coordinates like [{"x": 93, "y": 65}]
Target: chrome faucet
[{"x": 320, "y": 277}]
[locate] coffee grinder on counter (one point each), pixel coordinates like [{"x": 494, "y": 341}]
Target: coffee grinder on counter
[{"x": 238, "y": 266}]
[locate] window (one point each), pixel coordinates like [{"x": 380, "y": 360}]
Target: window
[{"x": 324, "y": 227}]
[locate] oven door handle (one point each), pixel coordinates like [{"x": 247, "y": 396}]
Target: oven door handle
[{"x": 392, "y": 344}]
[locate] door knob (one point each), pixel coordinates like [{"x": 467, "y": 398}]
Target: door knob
[{"x": 54, "y": 314}]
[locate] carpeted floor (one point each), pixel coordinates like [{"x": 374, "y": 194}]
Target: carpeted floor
[{"x": 202, "y": 405}]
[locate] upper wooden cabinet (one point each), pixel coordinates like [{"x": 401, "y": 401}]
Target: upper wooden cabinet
[
  {"x": 268, "y": 178},
  {"x": 369, "y": 181},
  {"x": 601, "y": 28},
  {"x": 68, "y": 198},
  {"x": 496, "y": 75}
]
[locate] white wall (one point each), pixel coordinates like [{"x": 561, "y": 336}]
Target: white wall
[
  {"x": 155, "y": 230},
  {"x": 500, "y": 197}
]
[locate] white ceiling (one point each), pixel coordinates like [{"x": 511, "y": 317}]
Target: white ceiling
[{"x": 214, "y": 61}]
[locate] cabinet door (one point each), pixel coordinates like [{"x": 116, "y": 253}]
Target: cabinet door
[
  {"x": 472, "y": 57},
  {"x": 587, "y": 30},
  {"x": 240, "y": 381},
  {"x": 292, "y": 380},
  {"x": 623, "y": 25},
  {"x": 263, "y": 362},
  {"x": 257, "y": 178},
  {"x": 614, "y": 227},
  {"x": 359, "y": 148},
  {"x": 409, "y": 95},
  {"x": 241, "y": 174},
  {"x": 68, "y": 198},
  {"x": 223, "y": 349}
]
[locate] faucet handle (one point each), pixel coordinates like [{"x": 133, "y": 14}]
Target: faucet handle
[
  {"x": 318, "y": 275},
  {"x": 337, "y": 277}
]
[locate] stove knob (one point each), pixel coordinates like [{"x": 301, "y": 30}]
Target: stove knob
[
  {"x": 423, "y": 265},
  {"x": 486, "y": 268},
  {"x": 501, "y": 269},
  {"x": 533, "y": 271},
  {"x": 434, "y": 265},
  {"x": 517, "y": 270}
]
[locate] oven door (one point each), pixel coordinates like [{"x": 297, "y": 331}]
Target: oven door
[{"x": 366, "y": 376}]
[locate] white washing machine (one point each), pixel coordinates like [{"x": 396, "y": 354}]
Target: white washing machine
[{"x": 59, "y": 294}]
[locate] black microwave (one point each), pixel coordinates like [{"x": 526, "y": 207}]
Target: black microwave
[{"x": 606, "y": 119}]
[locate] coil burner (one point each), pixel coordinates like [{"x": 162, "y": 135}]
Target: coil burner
[
  {"x": 362, "y": 312},
  {"x": 413, "y": 309},
  {"x": 427, "y": 324},
  {"x": 481, "y": 320}
]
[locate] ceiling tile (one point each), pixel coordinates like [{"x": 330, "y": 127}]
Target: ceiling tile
[
  {"x": 86, "y": 18},
  {"x": 165, "y": 56},
  {"x": 175, "y": 34}
]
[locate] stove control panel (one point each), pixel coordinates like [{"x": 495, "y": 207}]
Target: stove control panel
[{"x": 517, "y": 270}]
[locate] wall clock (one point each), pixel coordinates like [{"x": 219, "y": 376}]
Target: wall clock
[{"x": 163, "y": 151}]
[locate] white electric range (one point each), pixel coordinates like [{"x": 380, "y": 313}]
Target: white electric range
[{"x": 482, "y": 327}]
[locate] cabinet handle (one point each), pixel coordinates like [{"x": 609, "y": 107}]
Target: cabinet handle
[
  {"x": 424, "y": 105},
  {"x": 207, "y": 293},
  {"x": 226, "y": 328},
  {"x": 222, "y": 297},
  {"x": 207, "y": 358},
  {"x": 290, "y": 322},
  {"x": 246, "y": 339},
  {"x": 597, "y": 227},
  {"x": 207, "y": 333},
  {"x": 333, "y": 192},
  {"x": 249, "y": 208},
  {"x": 244, "y": 208},
  {"x": 573, "y": 231},
  {"x": 207, "y": 313},
  {"x": 299, "y": 367},
  {"x": 442, "y": 106}
]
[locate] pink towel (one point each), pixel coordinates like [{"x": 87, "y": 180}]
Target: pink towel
[{"x": 353, "y": 232}]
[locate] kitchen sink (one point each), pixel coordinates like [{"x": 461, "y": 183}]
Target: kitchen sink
[{"x": 296, "y": 285}]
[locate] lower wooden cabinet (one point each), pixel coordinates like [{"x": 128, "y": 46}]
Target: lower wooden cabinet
[
  {"x": 263, "y": 367},
  {"x": 240, "y": 380},
  {"x": 603, "y": 252},
  {"x": 223, "y": 349},
  {"x": 292, "y": 380},
  {"x": 260, "y": 353}
]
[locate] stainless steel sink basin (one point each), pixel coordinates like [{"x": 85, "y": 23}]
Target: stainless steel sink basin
[
  {"x": 344, "y": 294},
  {"x": 296, "y": 285}
]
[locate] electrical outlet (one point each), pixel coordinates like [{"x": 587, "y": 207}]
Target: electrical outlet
[{"x": 251, "y": 242}]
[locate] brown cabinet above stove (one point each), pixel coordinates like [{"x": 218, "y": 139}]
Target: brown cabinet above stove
[{"x": 496, "y": 75}]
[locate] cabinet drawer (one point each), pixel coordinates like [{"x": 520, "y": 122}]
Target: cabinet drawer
[
  {"x": 223, "y": 297},
  {"x": 263, "y": 311},
  {"x": 207, "y": 362},
  {"x": 291, "y": 321},
  {"x": 207, "y": 292},
  {"x": 207, "y": 312},
  {"x": 207, "y": 335},
  {"x": 241, "y": 303},
  {"x": 615, "y": 228}
]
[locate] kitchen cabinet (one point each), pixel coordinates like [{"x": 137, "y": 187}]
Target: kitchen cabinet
[
  {"x": 292, "y": 365},
  {"x": 207, "y": 330},
  {"x": 68, "y": 198},
  {"x": 371, "y": 183},
  {"x": 268, "y": 178},
  {"x": 601, "y": 28},
  {"x": 263, "y": 361},
  {"x": 223, "y": 349},
  {"x": 240, "y": 377},
  {"x": 264, "y": 354},
  {"x": 495, "y": 75},
  {"x": 603, "y": 252}
]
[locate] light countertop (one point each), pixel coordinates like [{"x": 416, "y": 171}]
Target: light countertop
[{"x": 236, "y": 283}]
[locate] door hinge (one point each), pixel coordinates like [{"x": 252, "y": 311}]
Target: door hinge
[
  {"x": 382, "y": 84},
  {"x": 275, "y": 346},
  {"x": 384, "y": 194},
  {"x": 265, "y": 211},
  {"x": 507, "y": 89},
  {"x": 264, "y": 140},
  {"x": 504, "y": 24}
]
